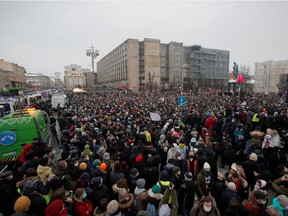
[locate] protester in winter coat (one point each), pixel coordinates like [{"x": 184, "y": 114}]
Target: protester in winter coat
[
  {"x": 186, "y": 194},
  {"x": 256, "y": 203},
  {"x": 250, "y": 167},
  {"x": 204, "y": 180},
  {"x": 101, "y": 209},
  {"x": 61, "y": 171},
  {"x": 164, "y": 207},
  {"x": 154, "y": 196},
  {"x": 22, "y": 204},
  {"x": 227, "y": 195},
  {"x": 280, "y": 185},
  {"x": 280, "y": 203},
  {"x": 125, "y": 200},
  {"x": 44, "y": 170},
  {"x": 235, "y": 208},
  {"x": 218, "y": 187},
  {"x": 56, "y": 208},
  {"x": 205, "y": 207},
  {"x": 82, "y": 206}
]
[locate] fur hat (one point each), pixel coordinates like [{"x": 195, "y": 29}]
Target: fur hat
[
  {"x": 232, "y": 186},
  {"x": 206, "y": 166},
  {"x": 106, "y": 156},
  {"x": 83, "y": 166},
  {"x": 253, "y": 157},
  {"x": 22, "y": 204},
  {"x": 112, "y": 207},
  {"x": 123, "y": 195},
  {"x": 188, "y": 176},
  {"x": 101, "y": 150},
  {"x": 5, "y": 174}
]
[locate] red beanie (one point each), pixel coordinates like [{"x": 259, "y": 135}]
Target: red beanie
[
  {"x": 56, "y": 208},
  {"x": 139, "y": 158}
]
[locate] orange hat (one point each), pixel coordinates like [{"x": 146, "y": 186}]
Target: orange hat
[
  {"x": 83, "y": 166},
  {"x": 103, "y": 166}
]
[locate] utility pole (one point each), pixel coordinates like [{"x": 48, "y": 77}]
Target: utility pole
[{"x": 93, "y": 53}]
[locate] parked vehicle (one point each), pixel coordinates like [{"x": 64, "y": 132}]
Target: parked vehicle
[
  {"x": 19, "y": 128},
  {"x": 58, "y": 101}
]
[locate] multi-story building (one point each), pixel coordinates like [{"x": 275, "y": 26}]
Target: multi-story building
[
  {"x": 205, "y": 67},
  {"x": 74, "y": 77},
  {"x": 151, "y": 64},
  {"x": 38, "y": 82},
  {"x": 90, "y": 79},
  {"x": 267, "y": 75},
  {"x": 11, "y": 75}
]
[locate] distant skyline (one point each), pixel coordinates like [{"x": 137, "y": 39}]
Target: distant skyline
[{"x": 46, "y": 36}]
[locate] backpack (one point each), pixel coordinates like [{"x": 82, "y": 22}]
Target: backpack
[
  {"x": 151, "y": 209},
  {"x": 57, "y": 181}
]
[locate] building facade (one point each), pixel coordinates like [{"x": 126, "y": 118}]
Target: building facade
[
  {"x": 39, "y": 82},
  {"x": 268, "y": 74},
  {"x": 74, "y": 77},
  {"x": 11, "y": 75},
  {"x": 150, "y": 64},
  {"x": 90, "y": 79}
]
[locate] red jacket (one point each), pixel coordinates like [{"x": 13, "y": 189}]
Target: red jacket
[
  {"x": 84, "y": 208},
  {"x": 27, "y": 148},
  {"x": 210, "y": 122}
]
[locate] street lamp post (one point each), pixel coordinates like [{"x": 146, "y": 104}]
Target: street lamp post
[
  {"x": 57, "y": 75},
  {"x": 93, "y": 53}
]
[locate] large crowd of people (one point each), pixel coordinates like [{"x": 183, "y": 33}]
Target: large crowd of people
[{"x": 218, "y": 154}]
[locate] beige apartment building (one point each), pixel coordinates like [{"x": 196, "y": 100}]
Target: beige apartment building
[
  {"x": 74, "y": 77},
  {"x": 267, "y": 75},
  {"x": 150, "y": 64},
  {"x": 11, "y": 75}
]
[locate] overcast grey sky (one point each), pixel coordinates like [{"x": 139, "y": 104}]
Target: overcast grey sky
[{"x": 44, "y": 36}]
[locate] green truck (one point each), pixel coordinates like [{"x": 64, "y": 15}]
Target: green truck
[{"x": 19, "y": 128}]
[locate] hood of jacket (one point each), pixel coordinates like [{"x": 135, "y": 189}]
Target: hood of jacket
[
  {"x": 127, "y": 204},
  {"x": 153, "y": 195}
]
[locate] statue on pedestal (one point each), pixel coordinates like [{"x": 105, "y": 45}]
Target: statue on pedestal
[{"x": 235, "y": 71}]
